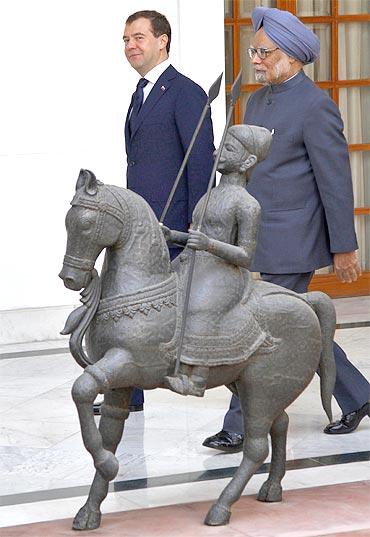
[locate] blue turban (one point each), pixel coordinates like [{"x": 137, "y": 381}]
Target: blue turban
[{"x": 288, "y": 32}]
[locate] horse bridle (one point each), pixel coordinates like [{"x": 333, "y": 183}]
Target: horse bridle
[{"x": 103, "y": 208}]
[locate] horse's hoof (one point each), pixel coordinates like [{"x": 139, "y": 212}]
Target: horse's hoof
[
  {"x": 270, "y": 492},
  {"x": 218, "y": 515},
  {"x": 107, "y": 465},
  {"x": 86, "y": 519}
]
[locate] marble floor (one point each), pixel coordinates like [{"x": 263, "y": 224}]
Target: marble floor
[{"x": 45, "y": 471}]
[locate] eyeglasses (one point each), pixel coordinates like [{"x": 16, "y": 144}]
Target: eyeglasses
[{"x": 262, "y": 53}]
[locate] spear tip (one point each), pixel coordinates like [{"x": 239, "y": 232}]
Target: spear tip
[{"x": 214, "y": 90}]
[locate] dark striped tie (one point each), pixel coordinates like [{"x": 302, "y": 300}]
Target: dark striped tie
[{"x": 137, "y": 101}]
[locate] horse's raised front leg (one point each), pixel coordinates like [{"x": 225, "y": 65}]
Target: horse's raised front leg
[
  {"x": 99, "y": 378},
  {"x": 255, "y": 451},
  {"x": 271, "y": 490},
  {"x": 114, "y": 412}
]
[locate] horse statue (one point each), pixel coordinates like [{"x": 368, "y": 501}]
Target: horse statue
[{"x": 130, "y": 317}]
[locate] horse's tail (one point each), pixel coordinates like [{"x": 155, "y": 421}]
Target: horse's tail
[{"x": 324, "y": 309}]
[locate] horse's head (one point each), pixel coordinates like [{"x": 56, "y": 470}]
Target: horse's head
[{"x": 95, "y": 221}]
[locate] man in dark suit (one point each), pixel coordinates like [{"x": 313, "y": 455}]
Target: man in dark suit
[
  {"x": 160, "y": 122},
  {"x": 305, "y": 191}
]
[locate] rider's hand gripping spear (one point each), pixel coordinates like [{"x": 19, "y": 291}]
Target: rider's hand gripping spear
[{"x": 235, "y": 92}]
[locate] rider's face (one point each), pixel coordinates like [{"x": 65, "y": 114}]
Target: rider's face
[{"x": 233, "y": 155}]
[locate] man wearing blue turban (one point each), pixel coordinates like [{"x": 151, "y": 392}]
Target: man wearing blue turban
[{"x": 304, "y": 188}]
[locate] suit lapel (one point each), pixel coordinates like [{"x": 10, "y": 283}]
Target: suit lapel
[{"x": 159, "y": 89}]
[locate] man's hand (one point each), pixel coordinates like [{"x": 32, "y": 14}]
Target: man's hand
[
  {"x": 197, "y": 240},
  {"x": 346, "y": 266}
]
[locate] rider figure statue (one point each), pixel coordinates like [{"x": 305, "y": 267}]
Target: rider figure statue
[{"x": 230, "y": 228}]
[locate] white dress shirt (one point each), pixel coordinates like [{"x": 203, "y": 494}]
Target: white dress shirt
[{"x": 153, "y": 75}]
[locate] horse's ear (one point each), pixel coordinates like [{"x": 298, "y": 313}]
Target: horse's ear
[
  {"x": 81, "y": 179},
  {"x": 88, "y": 180},
  {"x": 91, "y": 183}
]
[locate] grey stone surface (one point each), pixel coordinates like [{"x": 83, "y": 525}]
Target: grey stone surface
[{"x": 262, "y": 341}]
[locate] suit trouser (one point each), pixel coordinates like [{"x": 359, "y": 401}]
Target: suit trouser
[
  {"x": 137, "y": 398},
  {"x": 351, "y": 388}
]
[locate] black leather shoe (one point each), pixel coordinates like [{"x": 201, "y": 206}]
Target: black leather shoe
[
  {"x": 225, "y": 441},
  {"x": 348, "y": 422},
  {"x": 97, "y": 408}
]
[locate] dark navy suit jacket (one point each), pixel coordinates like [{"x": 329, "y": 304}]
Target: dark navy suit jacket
[
  {"x": 156, "y": 147},
  {"x": 304, "y": 186}
]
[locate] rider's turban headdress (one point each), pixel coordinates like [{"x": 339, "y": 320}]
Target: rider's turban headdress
[{"x": 256, "y": 140}]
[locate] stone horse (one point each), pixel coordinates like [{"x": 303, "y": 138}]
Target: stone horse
[{"x": 129, "y": 315}]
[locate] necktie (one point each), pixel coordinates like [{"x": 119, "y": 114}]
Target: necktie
[{"x": 137, "y": 101}]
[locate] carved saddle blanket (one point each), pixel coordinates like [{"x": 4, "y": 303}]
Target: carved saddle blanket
[{"x": 232, "y": 333}]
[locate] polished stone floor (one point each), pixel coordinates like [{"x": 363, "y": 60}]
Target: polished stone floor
[{"x": 45, "y": 471}]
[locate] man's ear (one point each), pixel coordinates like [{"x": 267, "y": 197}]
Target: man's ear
[
  {"x": 163, "y": 41},
  {"x": 294, "y": 60},
  {"x": 248, "y": 163}
]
